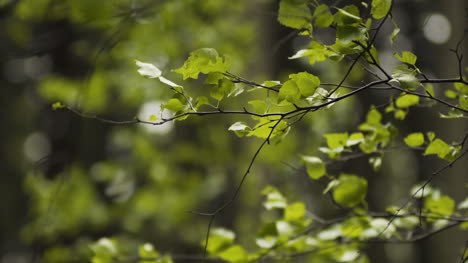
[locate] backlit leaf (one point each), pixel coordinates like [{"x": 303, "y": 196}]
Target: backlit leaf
[
  {"x": 406, "y": 77},
  {"x": 438, "y": 147},
  {"x": 350, "y": 191},
  {"x": 414, "y": 139},
  {"x": 315, "y": 166},
  {"x": 294, "y": 15},
  {"x": 380, "y": 8},
  {"x": 204, "y": 60},
  {"x": 406, "y": 57},
  {"x": 322, "y": 15},
  {"x": 148, "y": 70},
  {"x": 407, "y": 100}
]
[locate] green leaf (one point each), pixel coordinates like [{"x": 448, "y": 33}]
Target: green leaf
[
  {"x": 430, "y": 90},
  {"x": 348, "y": 33},
  {"x": 430, "y": 136},
  {"x": 376, "y": 162},
  {"x": 202, "y": 100},
  {"x": 450, "y": 94},
  {"x": 315, "y": 53},
  {"x": 350, "y": 191},
  {"x": 463, "y": 204},
  {"x": 302, "y": 84},
  {"x": 204, "y": 60},
  {"x": 315, "y": 166},
  {"x": 306, "y": 82},
  {"x": 105, "y": 250},
  {"x": 235, "y": 254},
  {"x": 174, "y": 105},
  {"x": 407, "y": 100},
  {"x": 153, "y": 117},
  {"x": 453, "y": 114},
  {"x": 354, "y": 226},
  {"x": 220, "y": 239},
  {"x": 439, "y": 204},
  {"x": 380, "y": 8},
  {"x": 240, "y": 128},
  {"x": 57, "y": 105},
  {"x": 438, "y": 147},
  {"x": 322, "y": 15},
  {"x": 222, "y": 89},
  {"x": 406, "y": 77},
  {"x": 348, "y": 15},
  {"x": 461, "y": 87},
  {"x": 375, "y": 55},
  {"x": 355, "y": 138},
  {"x": 148, "y": 70},
  {"x": 170, "y": 83},
  {"x": 407, "y": 222},
  {"x": 336, "y": 140},
  {"x": 463, "y": 101},
  {"x": 394, "y": 34},
  {"x": 406, "y": 57},
  {"x": 294, "y": 15},
  {"x": 373, "y": 117},
  {"x": 259, "y": 106},
  {"x": 147, "y": 251},
  {"x": 295, "y": 212},
  {"x": 289, "y": 92},
  {"x": 274, "y": 198},
  {"x": 264, "y": 127},
  {"x": 414, "y": 139}
]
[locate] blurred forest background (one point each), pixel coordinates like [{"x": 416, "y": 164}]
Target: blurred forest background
[{"x": 67, "y": 181}]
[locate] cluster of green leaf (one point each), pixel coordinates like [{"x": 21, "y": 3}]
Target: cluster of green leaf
[{"x": 268, "y": 111}]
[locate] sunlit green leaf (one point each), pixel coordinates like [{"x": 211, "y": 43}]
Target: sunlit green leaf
[
  {"x": 274, "y": 198},
  {"x": 204, "y": 60},
  {"x": 105, "y": 250},
  {"x": 463, "y": 101},
  {"x": 354, "y": 226},
  {"x": 373, "y": 116},
  {"x": 147, "y": 251},
  {"x": 463, "y": 204},
  {"x": 355, "y": 138},
  {"x": 407, "y": 100},
  {"x": 240, "y": 128},
  {"x": 438, "y": 147},
  {"x": 220, "y": 239},
  {"x": 235, "y": 254},
  {"x": 461, "y": 87},
  {"x": 295, "y": 212},
  {"x": 380, "y": 8},
  {"x": 153, "y": 117},
  {"x": 439, "y": 204},
  {"x": 294, "y": 15},
  {"x": 414, "y": 139},
  {"x": 148, "y": 70},
  {"x": 174, "y": 105},
  {"x": 57, "y": 105},
  {"x": 322, "y": 15},
  {"x": 348, "y": 15},
  {"x": 376, "y": 162},
  {"x": 350, "y": 191},
  {"x": 336, "y": 140},
  {"x": 315, "y": 166},
  {"x": 406, "y": 77},
  {"x": 395, "y": 32},
  {"x": 347, "y": 33},
  {"x": 315, "y": 53},
  {"x": 406, "y": 57}
]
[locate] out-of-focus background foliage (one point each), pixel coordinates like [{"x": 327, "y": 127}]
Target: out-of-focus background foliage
[{"x": 67, "y": 180}]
